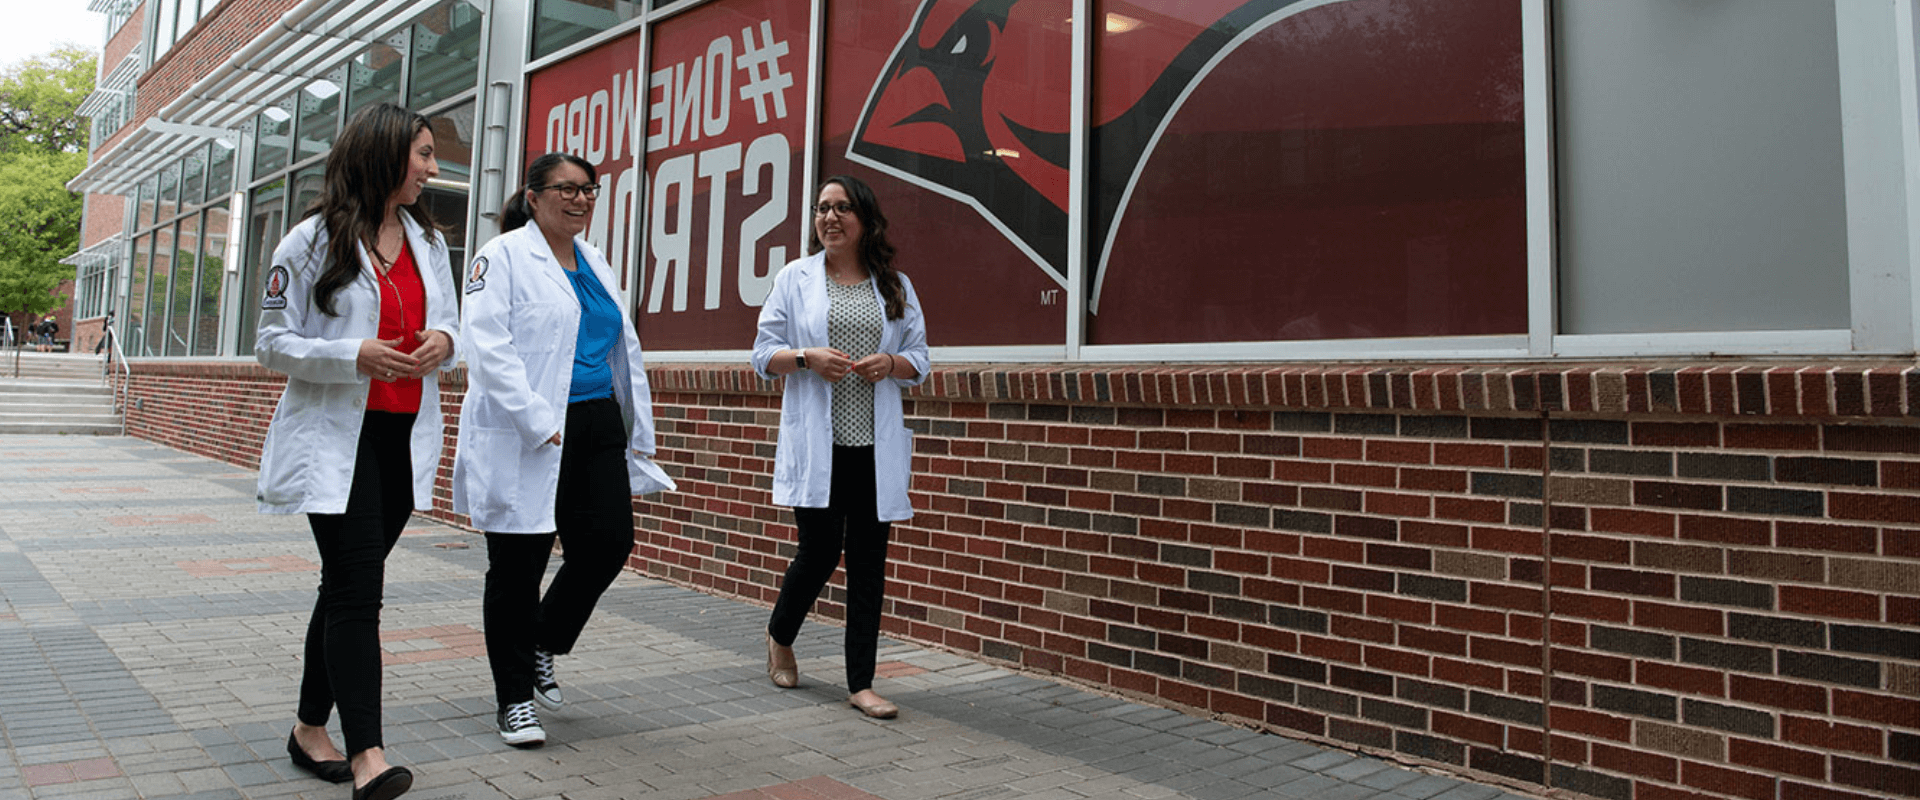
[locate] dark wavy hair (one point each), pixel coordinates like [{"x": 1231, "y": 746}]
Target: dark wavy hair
[
  {"x": 369, "y": 161},
  {"x": 517, "y": 210},
  {"x": 876, "y": 253}
]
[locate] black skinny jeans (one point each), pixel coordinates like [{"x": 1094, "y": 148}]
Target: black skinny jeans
[
  {"x": 593, "y": 509},
  {"x": 343, "y": 638},
  {"x": 849, "y": 523}
]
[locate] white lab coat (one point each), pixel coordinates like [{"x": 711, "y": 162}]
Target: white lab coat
[
  {"x": 306, "y": 463},
  {"x": 520, "y": 325},
  {"x": 795, "y": 317}
]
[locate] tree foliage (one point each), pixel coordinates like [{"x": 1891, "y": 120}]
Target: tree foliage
[
  {"x": 38, "y": 100},
  {"x": 42, "y": 147}
]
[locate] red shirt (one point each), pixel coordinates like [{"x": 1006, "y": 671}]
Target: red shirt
[{"x": 403, "y": 311}]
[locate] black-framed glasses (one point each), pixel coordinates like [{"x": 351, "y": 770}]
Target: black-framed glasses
[
  {"x": 569, "y": 191},
  {"x": 824, "y": 209}
]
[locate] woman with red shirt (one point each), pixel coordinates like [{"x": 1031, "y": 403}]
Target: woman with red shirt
[{"x": 359, "y": 312}]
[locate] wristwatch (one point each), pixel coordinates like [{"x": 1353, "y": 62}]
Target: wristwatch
[{"x": 800, "y": 359}]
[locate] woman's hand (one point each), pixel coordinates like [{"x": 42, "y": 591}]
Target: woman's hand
[
  {"x": 875, "y": 368},
  {"x": 828, "y": 363},
  {"x": 380, "y": 360},
  {"x": 435, "y": 347}
]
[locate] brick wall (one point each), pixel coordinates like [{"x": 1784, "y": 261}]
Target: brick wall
[
  {"x": 224, "y": 30},
  {"x": 1621, "y": 582}
]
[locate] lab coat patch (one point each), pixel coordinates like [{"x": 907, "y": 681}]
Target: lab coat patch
[
  {"x": 477, "y": 277},
  {"x": 276, "y": 296}
]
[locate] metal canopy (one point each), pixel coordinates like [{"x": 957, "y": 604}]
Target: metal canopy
[{"x": 307, "y": 41}]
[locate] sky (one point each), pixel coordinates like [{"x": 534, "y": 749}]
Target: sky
[{"x": 33, "y": 27}]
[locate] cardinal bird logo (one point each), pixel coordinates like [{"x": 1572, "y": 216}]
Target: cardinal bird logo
[{"x": 965, "y": 109}]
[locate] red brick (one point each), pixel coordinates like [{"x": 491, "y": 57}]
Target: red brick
[
  {"x": 1832, "y": 735},
  {"x": 1778, "y": 694},
  {"x": 1774, "y": 758},
  {"x": 1829, "y": 603},
  {"x": 1635, "y": 762},
  {"x": 1675, "y": 434},
  {"x": 1771, "y": 436},
  {"x": 1634, "y": 522},
  {"x": 1471, "y": 729},
  {"x": 1883, "y": 709},
  {"x": 1901, "y": 509},
  {"x": 1591, "y": 723},
  {"x": 1682, "y": 619},
  {"x": 1686, "y": 680},
  {"x": 1592, "y": 665},
  {"x": 1720, "y": 780}
]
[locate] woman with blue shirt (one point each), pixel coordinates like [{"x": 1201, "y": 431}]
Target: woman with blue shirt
[
  {"x": 845, "y": 330},
  {"x": 556, "y": 433}
]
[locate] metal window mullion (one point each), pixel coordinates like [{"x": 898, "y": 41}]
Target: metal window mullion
[{"x": 1543, "y": 268}]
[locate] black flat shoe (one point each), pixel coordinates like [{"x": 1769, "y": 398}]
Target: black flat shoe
[
  {"x": 386, "y": 785},
  {"x": 330, "y": 771}
]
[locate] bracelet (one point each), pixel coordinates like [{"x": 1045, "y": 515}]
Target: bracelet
[{"x": 889, "y": 365}]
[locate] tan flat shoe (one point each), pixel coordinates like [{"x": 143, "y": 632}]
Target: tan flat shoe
[
  {"x": 878, "y": 707},
  {"x": 781, "y": 667}
]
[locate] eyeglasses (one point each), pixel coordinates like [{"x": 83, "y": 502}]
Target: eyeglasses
[
  {"x": 831, "y": 208},
  {"x": 569, "y": 191}
]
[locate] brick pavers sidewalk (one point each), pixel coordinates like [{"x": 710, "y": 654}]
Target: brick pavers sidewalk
[{"x": 150, "y": 632}]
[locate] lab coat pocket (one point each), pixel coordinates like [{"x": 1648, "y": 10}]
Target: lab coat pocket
[
  {"x": 893, "y": 461},
  {"x": 493, "y": 470},
  {"x": 539, "y": 327}
]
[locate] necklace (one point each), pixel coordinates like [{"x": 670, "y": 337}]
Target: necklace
[{"x": 383, "y": 267}]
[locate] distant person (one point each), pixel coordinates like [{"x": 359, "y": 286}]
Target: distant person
[
  {"x": 359, "y": 312},
  {"x": 556, "y": 433},
  {"x": 45, "y": 333},
  {"x": 106, "y": 334},
  {"x": 845, "y": 329}
]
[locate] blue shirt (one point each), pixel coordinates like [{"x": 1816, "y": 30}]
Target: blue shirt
[{"x": 599, "y": 332}]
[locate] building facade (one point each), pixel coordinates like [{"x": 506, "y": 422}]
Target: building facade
[{"x": 1524, "y": 387}]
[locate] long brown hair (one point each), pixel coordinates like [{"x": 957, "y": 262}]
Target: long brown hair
[
  {"x": 876, "y": 253},
  {"x": 369, "y": 161}
]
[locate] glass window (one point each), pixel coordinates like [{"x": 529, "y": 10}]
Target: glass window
[
  {"x": 220, "y": 169},
  {"x": 319, "y": 115},
  {"x": 189, "y": 16},
  {"x": 558, "y": 23},
  {"x": 186, "y": 268},
  {"x": 213, "y": 273},
  {"x": 271, "y": 131},
  {"x": 1666, "y": 222},
  {"x": 306, "y": 190},
  {"x": 373, "y": 77},
  {"x": 267, "y": 223},
  {"x": 163, "y": 27},
  {"x": 156, "y": 313},
  {"x": 193, "y": 177},
  {"x": 449, "y": 210},
  {"x": 133, "y": 323},
  {"x": 453, "y": 132},
  {"x": 143, "y": 210},
  {"x": 169, "y": 201},
  {"x": 446, "y": 54}
]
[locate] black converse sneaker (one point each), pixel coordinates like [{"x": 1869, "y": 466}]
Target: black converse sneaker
[
  {"x": 520, "y": 726},
  {"x": 545, "y": 688}
]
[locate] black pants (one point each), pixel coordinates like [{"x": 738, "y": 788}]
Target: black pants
[
  {"x": 593, "y": 510},
  {"x": 343, "y": 638},
  {"x": 849, "y": 523}
]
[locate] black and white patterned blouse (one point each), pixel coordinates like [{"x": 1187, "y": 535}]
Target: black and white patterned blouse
[{"x": 854, "y": 321}]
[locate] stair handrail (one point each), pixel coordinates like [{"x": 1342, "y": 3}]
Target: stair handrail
[
  {"x": 9, "y": 342},
  {"x": 121, "y": 381}
]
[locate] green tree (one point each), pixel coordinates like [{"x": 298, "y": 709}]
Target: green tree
[
  {"x": 39, "y": 225},
  {"x": 38, "y": 100},
  {"x": 42, "y": 147}
]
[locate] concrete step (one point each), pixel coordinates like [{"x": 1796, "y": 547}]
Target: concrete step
[{"x": 62, "y": 427}]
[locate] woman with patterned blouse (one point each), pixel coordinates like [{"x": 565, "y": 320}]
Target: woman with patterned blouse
[{"x": 845, "y": 329}]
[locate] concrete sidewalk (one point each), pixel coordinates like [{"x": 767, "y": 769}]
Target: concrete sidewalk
[{"x": 150, "y": 637}]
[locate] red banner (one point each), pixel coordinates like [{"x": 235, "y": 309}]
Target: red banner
[
  {"x": 585, "y": 106},
  {"x": 724, "y": 130}
]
